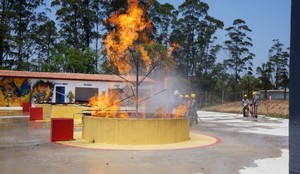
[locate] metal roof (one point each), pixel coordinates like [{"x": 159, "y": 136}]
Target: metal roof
[{"x": 69, "y": 76}]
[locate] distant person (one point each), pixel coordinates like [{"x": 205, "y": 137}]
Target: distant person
[
  {"x": 245, "y": 103},
  {"x": 193, "y": 110},
  {"x": 187, "y": 104},
  {"x": 254, "y": 105},
  {"x": 176, "y": 101}
]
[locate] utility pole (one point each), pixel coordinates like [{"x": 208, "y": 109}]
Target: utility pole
[{"x": 294, "y": 99}]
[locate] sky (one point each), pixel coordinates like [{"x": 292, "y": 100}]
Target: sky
[{"x": 268, "y": 19}]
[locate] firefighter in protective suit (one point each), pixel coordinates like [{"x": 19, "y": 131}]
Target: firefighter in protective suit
[
  {"x": 254, "y": 105},
  {"x": 176, "y": 101},
  {"x": 245, "y": 103},
  {"x": 193, "y": 110},
  {"x": 187, "y": 103}
]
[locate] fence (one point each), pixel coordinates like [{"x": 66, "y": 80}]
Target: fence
[{"x": 210, "y": 98}]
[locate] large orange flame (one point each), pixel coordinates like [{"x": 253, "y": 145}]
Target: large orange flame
[
  {"x": 145, "y": 57},
  {"x": 128, "y": 27},
  {"x": 172, "y": 48},
  {"x": 181, "y": 110},
  {"x": 108, "y": 106}
]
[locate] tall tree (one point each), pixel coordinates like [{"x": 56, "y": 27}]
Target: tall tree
[
  {"x": 77, "y": 20},
  {"x": 5, "y": 23},
  {"x": 98, "y": 7},
  {"x": 265, "y": 76},
  {"x": 45, "y": 40},
  {"x": 238, "y": 46},
  {"x": 279, "y": 59},
  {"x": 162, "y": 16},
  {"x": 194, "y": 32},
  {"x": 19, "y": 20},
  {"x": 249, "y": 83},
  {"x": 192, "y": 13},
  {"x": 65, "y": 58},
  {"x": 207, "y": 49}
]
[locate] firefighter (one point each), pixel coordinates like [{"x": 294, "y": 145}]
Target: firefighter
[
  {"x": 176, "y": 101},
  {"x": 193, "y": 110},
  {"x": 187, "y": 104},
  {"x": 254, "y": 105},
  {"x": 245, "y": 103}
]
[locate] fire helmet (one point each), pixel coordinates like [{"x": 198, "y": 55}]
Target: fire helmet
[
  {"x": 186, "y": 96},
  {"x": 193, "y": 95},
  {"x": 176, "y": 92}
]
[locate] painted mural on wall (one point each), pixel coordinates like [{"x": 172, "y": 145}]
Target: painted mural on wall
[
  {"x": 14, "y": 91},
  {"x": 42, "y": 91}
]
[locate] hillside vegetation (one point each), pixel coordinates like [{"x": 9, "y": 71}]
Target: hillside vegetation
[{"x": 274, "y": 108}]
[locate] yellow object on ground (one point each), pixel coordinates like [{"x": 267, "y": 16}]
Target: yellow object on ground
[
  {"x": 47, "y": 108},
  {"x": 68, "y": 111},
  {"x": 135, "y": 131},
  {"x": 197, "y": 140}
]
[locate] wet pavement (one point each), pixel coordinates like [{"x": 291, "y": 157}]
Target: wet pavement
[{"x": 247, "y": 146}]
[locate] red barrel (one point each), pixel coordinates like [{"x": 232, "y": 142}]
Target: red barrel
[
  {"x": 25, "y": 107},
  {"x": 36, "y": 113},
  {"x": 62, "y": 129}
]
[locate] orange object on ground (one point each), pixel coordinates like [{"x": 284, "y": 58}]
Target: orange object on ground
[
  {"x": 62, "y": 129},
  {"x": 36, "y": 113},
  {"x": 25, "y": 107}
]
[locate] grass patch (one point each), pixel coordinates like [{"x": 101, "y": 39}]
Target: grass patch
[{"x": 274, "y": 108}]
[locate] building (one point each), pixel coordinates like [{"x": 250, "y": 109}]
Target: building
[
  {"x": 17, "y": 87},
  {"x": 275, "y": 94}
]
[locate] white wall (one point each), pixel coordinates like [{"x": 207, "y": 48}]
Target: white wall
[{"x": 70, "y": 85}]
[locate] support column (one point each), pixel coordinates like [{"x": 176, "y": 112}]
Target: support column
[{"x": 294, "y": 97}]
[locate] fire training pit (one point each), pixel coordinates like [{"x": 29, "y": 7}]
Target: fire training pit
[
  {"x": 127, "y": 48},
  {"x": 135, "y": 131}
]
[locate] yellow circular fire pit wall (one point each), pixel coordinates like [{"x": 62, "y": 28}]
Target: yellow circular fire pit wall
[{"x": 137, "y": 131}]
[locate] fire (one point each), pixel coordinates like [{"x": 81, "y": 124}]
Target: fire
[
  {"x": 108, "y": 106},
  {"x": 121, "y": 44},
  {"x": 161, "y": 112},
  {"x": 181, "y": 110},
  {"x": 128, "y": 27},
  {"x": 145, "y": 57},
  {"x": 172, "y": 48}
]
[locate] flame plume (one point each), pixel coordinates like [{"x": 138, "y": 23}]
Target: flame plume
[
  {"x": 128, "y": 28},
  {"x": 125, "y": 46},
  {"x": 110, "y": 103}
]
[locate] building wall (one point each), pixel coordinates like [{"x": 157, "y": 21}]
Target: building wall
[
  {"x": 15, "y": 91},
  {"x": 276, "y": 94},
  {"x": 70, "y": 86}
]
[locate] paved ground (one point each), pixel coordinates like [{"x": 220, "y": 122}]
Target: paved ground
[{"x": 247, "y": 146}]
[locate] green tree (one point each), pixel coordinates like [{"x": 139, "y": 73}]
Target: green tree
[
  {"x": 5, "y": 23},
  {"x": 77, "y": 21},
  {"x": 208, "y": 50},
  {"x": 194, "y": 32},
  {"x": 162, "y": 16},
  {"x": 238, "y": 45},
  {"x": 45, "y": 40},
  {"x": 249, "y": 83},
  {"x": 187, "y": 28},
  {"x": 99, "y": 9},
  {"x": 279, "y": 58},
  {"x": 265, "y": 76},
  {"x": 19, "y": 20},
  {"x": 65, "y": 58}
]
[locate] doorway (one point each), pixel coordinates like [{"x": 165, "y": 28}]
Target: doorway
[{"x": 60, "y": 94}]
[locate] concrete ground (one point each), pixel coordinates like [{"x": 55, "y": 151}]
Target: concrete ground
[{"x": 247, "y": 146}]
